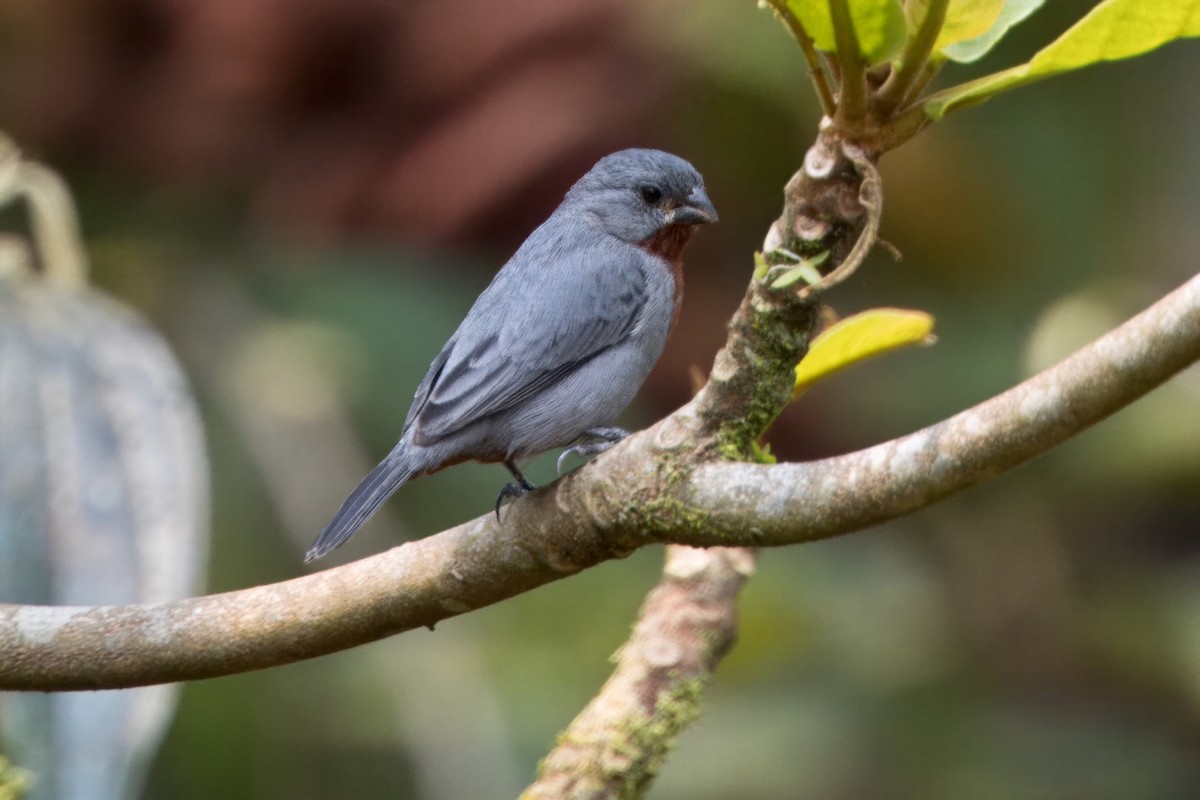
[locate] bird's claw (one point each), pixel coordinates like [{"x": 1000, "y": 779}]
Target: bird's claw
[
  {"x": 514, "y": 490},
  {"x": 583, "y": 451},
  {"x": 602, "y": 439}
]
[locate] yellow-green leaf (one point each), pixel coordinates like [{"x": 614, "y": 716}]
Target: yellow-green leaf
[
  {"x": 965, "y": 19},
  {"x": 969, "y": 50},
  {"x": 761, "y": 267},
  {"x": 1118, "y": 29},
  {"x": 803, "y": 271},
  {"x": 1113, "y": 30},
  {"x": 814, "y": 16},
  {"x": 762, "y": 453},
  {"x": 806, "y": 269},
  {"x": 878, "y": 25},
  {"x": 859, "y": 337}
]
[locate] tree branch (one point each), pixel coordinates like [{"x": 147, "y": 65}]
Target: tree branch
[
  {"x": 586, "y": 518},
  {"x": 792, "y": 503},
  {"x": 687, "y": 625}
]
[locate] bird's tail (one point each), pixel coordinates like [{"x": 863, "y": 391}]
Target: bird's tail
[{"x": 369, "y": 495}]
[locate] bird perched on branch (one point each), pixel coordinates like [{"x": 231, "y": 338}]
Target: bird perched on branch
[{"x": 561, "y": 340}]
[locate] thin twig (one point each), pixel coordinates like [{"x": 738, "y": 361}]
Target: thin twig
[
  {"x": 816, "y": 65},
  {"x": 928, "y": 73}
]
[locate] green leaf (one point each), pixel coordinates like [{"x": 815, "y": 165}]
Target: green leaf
[
  {"x": 1118, "y": 29},
  {"x": 814, "y": 16},
  {"x": 806, "y": 269},
  {"x": 965, "y": 19},
  {"x": 1113, "y": 30},
  {"x": 803, "y": 271},
  {"x": 859, "y": 337},
  {"x": 878, "y": 24},
  {"x": 762, "y": 453},
  {"x": 969, "y": 50},
  {"x": 761, "y": 267}
]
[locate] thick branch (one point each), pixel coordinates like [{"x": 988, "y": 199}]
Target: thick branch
[
  {"x": 687, "y": 625},
  {"x": 790, "y": 503},
  {"x": 585, "y": 519}
]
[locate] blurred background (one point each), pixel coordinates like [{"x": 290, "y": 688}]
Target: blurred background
[{"x": 305, "y": 198}]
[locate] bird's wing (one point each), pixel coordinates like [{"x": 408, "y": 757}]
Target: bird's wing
[{"x": 544, "y": 315}]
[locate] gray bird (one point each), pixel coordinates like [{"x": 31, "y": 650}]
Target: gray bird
[{"x": 559, "y": 342}]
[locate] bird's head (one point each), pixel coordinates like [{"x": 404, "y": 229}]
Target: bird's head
[{"x": 637, "y": 194}]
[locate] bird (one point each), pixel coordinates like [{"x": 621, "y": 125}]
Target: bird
[{"x": 559, "y": 342}]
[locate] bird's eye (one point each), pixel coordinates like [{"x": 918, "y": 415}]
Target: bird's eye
[{"x": 651, "y": 194}]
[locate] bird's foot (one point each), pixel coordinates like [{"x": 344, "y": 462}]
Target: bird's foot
[
  {"x": 518, "y": 488},
  {"x": 601, "y": 440}
]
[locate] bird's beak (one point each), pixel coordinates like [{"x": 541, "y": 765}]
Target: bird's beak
[{"x": 697, "y": 210}]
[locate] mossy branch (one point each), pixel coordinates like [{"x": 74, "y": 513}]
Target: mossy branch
[{"x": 615, "y": 746}]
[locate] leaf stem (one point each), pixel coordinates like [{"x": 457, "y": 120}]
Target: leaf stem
[
  {"x": 974, "y": 92},
  {"x": 923, "y": 79},
  {"x": 913, "y": 60},
  {"x": 816, "y": 66},
  {"x": 852, "y": 101},
  {"x": 904, "y": 126}
]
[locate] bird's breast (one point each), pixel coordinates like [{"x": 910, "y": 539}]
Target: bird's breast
[{"x": 668, "y": 244}]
